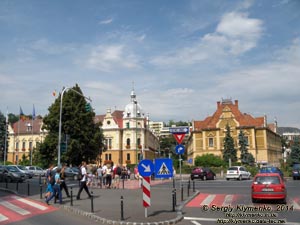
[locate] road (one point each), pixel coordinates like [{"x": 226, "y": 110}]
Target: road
[{"x": 225, "y": 200}]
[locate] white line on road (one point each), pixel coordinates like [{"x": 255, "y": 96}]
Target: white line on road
[
  {"x": 200, "y": 218},
  {"x": 15, "y": 208},
  {"x": 196, "y": 223},
  {"x": 208, "y": 200},
  {"x": 227, "y": 200},
  {"x": 3, "y": 218},
  {"x": 33, "y": 204}
]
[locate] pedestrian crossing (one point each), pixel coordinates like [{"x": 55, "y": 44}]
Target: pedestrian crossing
[
  {"x": 208, "y": 199},
  {"x": 15, "y": 208}
]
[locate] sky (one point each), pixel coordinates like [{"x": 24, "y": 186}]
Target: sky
[{"x": 180, "y": 56}]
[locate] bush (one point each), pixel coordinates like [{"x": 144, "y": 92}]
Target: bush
[{"x": 209, "y": 160}]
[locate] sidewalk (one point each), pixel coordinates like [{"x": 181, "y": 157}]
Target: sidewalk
[{"x": 107, "y": 204}]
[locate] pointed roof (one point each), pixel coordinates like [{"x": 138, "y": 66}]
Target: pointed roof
[
  {"x": 244, "y": 119},
  {"x": 22, "y": 126},
  {"x": 117, "y": 117}
]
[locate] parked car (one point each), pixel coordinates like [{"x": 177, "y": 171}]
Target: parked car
[
  {"x": 70, "y": 173},
  {"x": 11, "y": 174},
  {"x": 24, "y": 170},
  {"x": 237, "y": 172},
  {"x": 271, "y": 169},
  {"x": 203, "y": 174},
  {"x": 37, "y": 170},
  {"x": 268, "y": 186},
  {"x": 296, "y": 171}
]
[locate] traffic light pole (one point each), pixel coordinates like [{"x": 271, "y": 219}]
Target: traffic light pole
[{"x": 60, "y": 115}]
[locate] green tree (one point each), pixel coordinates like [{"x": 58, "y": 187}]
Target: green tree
[
  {"x": 295, "y": 151},
  {"x": 3, "y": 131},
  {"x": 246, "y": 157},
  {"x": 209, "y": 160},
  {"x": 229, "y": 151},
  {"x": 85, "y": 138}
]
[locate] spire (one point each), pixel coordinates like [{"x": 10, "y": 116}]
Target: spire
[{"x": 133, "y": 95}]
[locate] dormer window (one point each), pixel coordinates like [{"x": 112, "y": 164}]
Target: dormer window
[{"x": 108, "y": 122}]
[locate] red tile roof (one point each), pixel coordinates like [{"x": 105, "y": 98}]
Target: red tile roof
[{"x": 21, "y": 126}]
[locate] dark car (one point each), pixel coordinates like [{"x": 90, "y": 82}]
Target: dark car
[
  {"x": 70, "y": 173},
  {"x": 271, "y": 169},
  {"x": 10, "y": 174},
  {"x": 296, "y": 171},
  {"x": 203, "y": 174}
]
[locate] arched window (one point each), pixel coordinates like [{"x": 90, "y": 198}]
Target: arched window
[
  {"x": 128, "y": 141},
  {"x": 139, "y": 141}
]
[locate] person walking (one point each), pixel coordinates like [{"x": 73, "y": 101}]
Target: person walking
[
  {"x": 56, "y": 188},
  {"x": 83, "y": 181},
  {"x": 100, "y": 176},
  {"x": 63, "y": 184}
]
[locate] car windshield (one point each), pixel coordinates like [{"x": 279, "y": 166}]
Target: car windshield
[
  {"x": 296, "y": 166},
  {"x": 233, "y": 168},
  {"x": 267, "y": 180},
  {"x": 22, "y": 167},
  {"x": 12, "y": 169}
]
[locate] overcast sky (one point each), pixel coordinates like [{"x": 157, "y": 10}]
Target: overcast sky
[{"x": 182, "y": 55}]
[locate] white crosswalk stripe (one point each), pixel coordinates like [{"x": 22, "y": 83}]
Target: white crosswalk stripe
[
  {"x": 228, "y": 200},
  {"x": 35, "y": 205},
  {"x": 3, "y": 218},
  {"x": 15, "y": 208},
  {"x": 208, "y": 200}
]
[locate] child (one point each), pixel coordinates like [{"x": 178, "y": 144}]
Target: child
[{"x": 49, "y": 190}]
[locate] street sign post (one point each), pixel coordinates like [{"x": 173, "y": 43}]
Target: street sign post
[
  {"x": 146, "y": 168},
  {"x": 146, "y": 194},
  {"x": 163, "y": 168},
  {"x": 179, "y": 149}
]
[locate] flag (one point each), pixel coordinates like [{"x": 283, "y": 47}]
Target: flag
[
  {"x": 33, "y": 113},
  {"x": 22, "y": 116}
]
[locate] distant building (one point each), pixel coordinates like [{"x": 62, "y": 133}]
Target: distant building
[
  {"x": 156, "y": 127},
  {"x": 208, "y": 134},
  {"x": 24, "y": 136},
  {"x": 127, "y": 134}
]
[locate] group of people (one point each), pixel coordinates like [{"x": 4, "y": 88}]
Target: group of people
[{"x": 56, "y": 183}]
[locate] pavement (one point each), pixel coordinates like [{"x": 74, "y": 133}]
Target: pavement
[{"x": 125, "y": 205}]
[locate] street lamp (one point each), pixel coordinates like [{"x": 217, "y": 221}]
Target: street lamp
[
  {"x": 60, "y": 115},
  {"x": 136, "y": 146}
]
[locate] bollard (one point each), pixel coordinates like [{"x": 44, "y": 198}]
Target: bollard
[
  {"x": 173, "y": 200},
  {"x": 6, "y": 183},
  {"x": 188, "y": 189},
  {"x": 193, "y": 186},
  {"x": 28, "y": 188},
  {"x": 41, "y": 191},
  {"x": 71, "y": 202},
  {"x": 182, "y": 192},
  {"x": 173, "y": 182},
  {"x": 40, "y": 179},
  {"x": 17, "y": 186},
  {"x": 189, "y": 184},
  {"x": 92, "y": 202},
  {"x": 123, "y": 180},
  {"x": 122, "y": 208}
]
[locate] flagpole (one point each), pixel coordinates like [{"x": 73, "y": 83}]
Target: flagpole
[{"x": 31, "y": 149}]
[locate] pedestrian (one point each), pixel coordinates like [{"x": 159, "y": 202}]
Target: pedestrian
[
  {"x": 100, "y": 175},
  {"x": 49, "y": 173},
  {"x": 83, "y": 181},
  {"x": 63, "y": 184},
  {"x": 117, "y": 171},
  {"x": 56, "y": 187}
]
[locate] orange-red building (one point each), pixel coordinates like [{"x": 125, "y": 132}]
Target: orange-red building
[{"x": 207, "y": 135}]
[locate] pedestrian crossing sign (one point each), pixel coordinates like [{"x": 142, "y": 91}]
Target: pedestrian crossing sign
[{"x": 163, "y": 168}]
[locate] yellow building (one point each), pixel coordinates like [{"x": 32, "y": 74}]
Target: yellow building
[
  {"x": 127, "y": 135},
  {"x": 207, "y": 135},
  {"x": 24, "y": 136}
]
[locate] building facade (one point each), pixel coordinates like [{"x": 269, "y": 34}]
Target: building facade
[
  {"x": 207, "y": 135},
  {"x": 128, "y": 138},
  {"x": 24, "y": 136}
]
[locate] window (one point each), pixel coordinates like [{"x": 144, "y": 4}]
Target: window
[
  {"x": 128, "y": 156},
  {"x": 138, "y": 141},
  {"x": 247, "y": 140},
  {"x": 109, "y": 143},
  {"x": 23, "y": 145},
  {"x": 17, "y": 145},
  {"x": 108, "y": 122},
  {"x": 107, "y": 156},
  {"x": 30, "y": 145},
  {"x": 128, "y": 141},
  {"x": 210, "y": 142}
]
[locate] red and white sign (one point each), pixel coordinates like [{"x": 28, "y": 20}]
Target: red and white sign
[
  {"x": 179, "y": 137},
  {"x": 146, "y": 192}
]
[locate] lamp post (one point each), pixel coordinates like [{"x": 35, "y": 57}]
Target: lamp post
[
  {"x": 136, "y": 145},
  {"x": 60, "y": 115}
]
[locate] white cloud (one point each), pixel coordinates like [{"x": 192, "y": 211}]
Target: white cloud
[
  {"x": 45, "y": 46},
  {"x": 109, "y": 57},
  {"x": 105, "y": 22},
  {"x": 234, "y": 35}
]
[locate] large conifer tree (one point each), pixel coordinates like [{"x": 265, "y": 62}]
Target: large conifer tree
[{"x": 229, "y": 151}]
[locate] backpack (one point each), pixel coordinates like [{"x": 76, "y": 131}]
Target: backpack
[
  {"x": 52, "y": 179},
  {"x": 79, "y": 177},
  {"x": 119, "y": 170}
]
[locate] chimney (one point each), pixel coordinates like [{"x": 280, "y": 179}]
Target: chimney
[
  {"x": 236, "y": 102},
  {"x": 218, "y": 104}
]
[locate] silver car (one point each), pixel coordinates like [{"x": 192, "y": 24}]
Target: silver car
[
  {"x": 37, "y": 171},
  {"x": 238, "y": 173}
]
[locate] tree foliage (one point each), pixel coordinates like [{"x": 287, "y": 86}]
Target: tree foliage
[
  {"x": 85, "y": 138},
  {"x": 3, "y": 131},
  {"x": 229, "y": 151},
  {"x": 295, "y": 151},
  {"x": 209, "y": 160},
  {"x": 246, "y": 157}
]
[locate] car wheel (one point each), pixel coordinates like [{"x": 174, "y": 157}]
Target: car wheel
[
  {"x": 214, "y": 177},
  {"x": 294, "y": 178},
  {"x": 204, "y": 178},
  {"x": 227, "y": 178},
  {"x": 8, "y": 180},
  {"x": 240, "y": 177},
  {"x": 254, "y": 200}
]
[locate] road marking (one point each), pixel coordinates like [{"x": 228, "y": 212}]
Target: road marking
[
  {"x": 208, "y": 200},
  {"x": 33, "y": 204},
  {"x": 195, "y": 222},
  {"x": 3, "y": 218},
  {"x": 295, "y": 204},
  {"x": 228, "y": 200},
  {"x": 200, "y": 218},
  {"x": 15, "y": 208}
]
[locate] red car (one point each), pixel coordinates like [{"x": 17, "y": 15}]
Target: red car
[
  {"x": 268, "y": 186},
  {"x": 203, "y": 174}
]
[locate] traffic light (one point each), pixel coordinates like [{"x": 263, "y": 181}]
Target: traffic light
[
  {"x": 88, "y": 107},
  {"x": 63, "y": 147}
]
